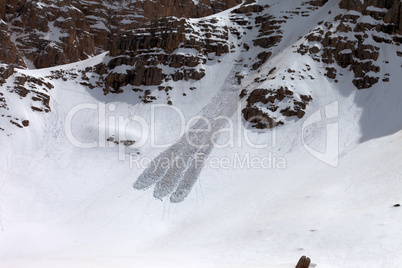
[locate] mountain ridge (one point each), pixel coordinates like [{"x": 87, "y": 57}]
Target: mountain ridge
[{"x": 295, "y": 106}]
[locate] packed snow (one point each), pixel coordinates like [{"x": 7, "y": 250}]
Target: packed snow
[{"x": 263, "y": 200}]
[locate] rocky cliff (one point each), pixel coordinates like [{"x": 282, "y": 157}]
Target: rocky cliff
[
  {"x": 346, "y": 41},
  {"x": 149, "y": 56},
  {"x": 49, "y": 33},
  {"x": 167, "y": 49}
]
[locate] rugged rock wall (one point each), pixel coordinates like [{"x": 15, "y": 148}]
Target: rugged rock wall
[
  {"x": 31, "y": 91},
  {"x": 2, "y": 10},
  {"x": 269, "y": 106},
  {"x": 5, "y": 72},
  {"x": 50, "y": 33},
  {"x": 270, "y": 99},
  {"x": 153, "y": 10},
  {"x": 169, "y": 42},
  {"x": 149, "y": 58},
  {"x": 8, "y": 52},
  {"x": 346, "y": 43}
]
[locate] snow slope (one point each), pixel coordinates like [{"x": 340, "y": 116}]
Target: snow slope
[{"x": 61, "y": 205}]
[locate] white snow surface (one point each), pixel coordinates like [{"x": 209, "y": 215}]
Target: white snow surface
[{"x": 64, "y": 206}]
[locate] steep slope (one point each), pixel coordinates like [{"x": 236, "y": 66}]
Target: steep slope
[
  {"x": 286, "y": 175},
  {"x": 50, "y": 33}
]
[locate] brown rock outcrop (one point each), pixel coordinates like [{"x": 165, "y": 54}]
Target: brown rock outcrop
[
  {"x": 153, "y": 10},
  {"x": 3, "y": 10},
  {"x": 270, "y": 34},
  {"x": 36, "y": 89},
  {"x": 8, "y": 52},
  {"x": 353, "y": 52},
  {"x": 50, "y": 33},
  {"x": 392, "y": 14},
  {"x": 304, "y": 262},
  {"x": 156, "y": 44},
  {"x": 269, "y": 98},
  {"x": 318, "y": 3},
  {"x": 5, "y": 72},
  {"x": 245, "y": 9},
  {"x": 260, "y": 119}
]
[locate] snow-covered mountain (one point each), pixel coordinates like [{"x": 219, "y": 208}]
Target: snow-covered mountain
[
  {"x": 46, "y": 33},
  {"x": 253, "y": 134}
]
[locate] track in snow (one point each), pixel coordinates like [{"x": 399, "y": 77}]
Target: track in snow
[{"x": 175, "y": 171}]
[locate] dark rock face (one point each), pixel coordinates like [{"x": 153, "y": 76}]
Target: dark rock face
[
  {"x": 50, "y": 33},
  {"x": 244, "y": 9},
  {"x": 33, "y": 89},
  {"x": 304, "y": 262},
  {"x": 270, "y": 34},
  {"x": 8, "y": 52},
  {"x": 259, "y": 119},
  {"x": 149, "y": 49},
  {"x": 170, "y": 34},
  {"x": 353, "y": 52},
  {"x": 318, "y": 3},
  {"x": 153, "y": 10},
  {"x": 272, "y": 99},
  {"x": 3, "y": 9},
  {"x": 268, "y": 107},
  {"x": 391, "y": 14},
  {"x": 5, "y": 72},
  {"x": 169, "y": 42}
]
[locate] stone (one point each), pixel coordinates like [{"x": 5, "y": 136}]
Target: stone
[{"x": 304, "y": 262}]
